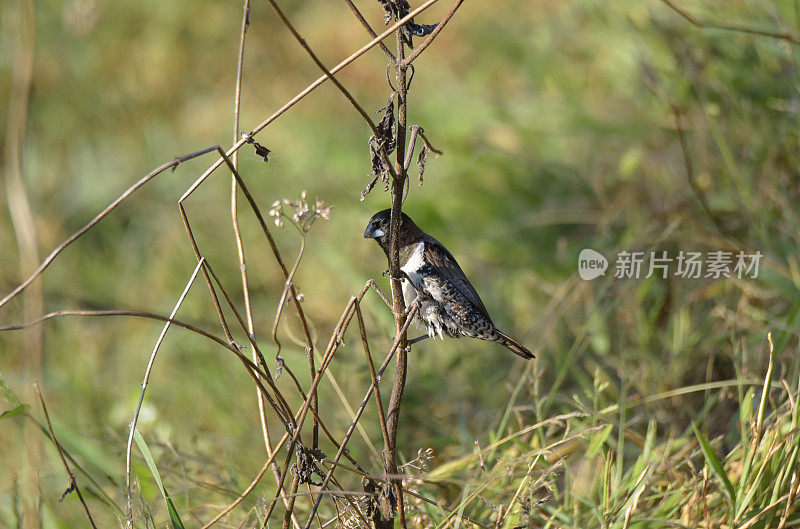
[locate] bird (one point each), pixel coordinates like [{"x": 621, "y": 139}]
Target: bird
[{"x": 448, "y": 303}]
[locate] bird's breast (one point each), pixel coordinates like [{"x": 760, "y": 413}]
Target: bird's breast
[{"x": 415, "y": 264}]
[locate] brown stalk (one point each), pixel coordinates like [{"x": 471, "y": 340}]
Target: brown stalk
[
  {"x": 360, "y": 17},
  {"x": 398, "y": 303},
  {"x": 237, "y": 232},
  {"x": 416, "y": 131},
  {"x": 360, "y": 410},
  {"x": 378, "y": 402},
  {"x": 133, "y": 313},
  {"x": 73, "y": 484},
  {"x": 148, "y": 370},
  {"x": 300, "y": 416}
]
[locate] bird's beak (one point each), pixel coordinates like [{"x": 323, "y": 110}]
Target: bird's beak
[{"x": 373, "y": 233}]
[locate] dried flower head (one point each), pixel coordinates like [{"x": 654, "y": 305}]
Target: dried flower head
[{"x": 299, "y": 213}]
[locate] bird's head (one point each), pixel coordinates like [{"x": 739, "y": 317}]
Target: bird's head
[{"x": 378, "y": 228}]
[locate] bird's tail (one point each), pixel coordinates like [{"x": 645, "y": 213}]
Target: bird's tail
[{"x": 514, "y": 346}]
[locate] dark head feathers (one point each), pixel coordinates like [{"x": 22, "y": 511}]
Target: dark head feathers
[{"x": 378, "y": 229}]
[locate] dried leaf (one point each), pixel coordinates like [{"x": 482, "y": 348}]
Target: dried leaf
[
  {"x": 394, "y": 10},
  {"x": 385, "y": 140},
  {"x": 306, "y": 465},
  {"x": 421, "y": 158},
  {"x": 261, "y": 151}
]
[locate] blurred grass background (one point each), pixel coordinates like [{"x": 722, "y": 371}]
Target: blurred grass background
[{"x": 554, "y": 141}]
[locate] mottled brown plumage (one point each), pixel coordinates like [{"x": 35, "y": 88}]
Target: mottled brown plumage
[{"x": 449, "y": 304}]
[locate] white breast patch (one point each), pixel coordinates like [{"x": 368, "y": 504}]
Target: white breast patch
[{"x": 414, "y": 265}]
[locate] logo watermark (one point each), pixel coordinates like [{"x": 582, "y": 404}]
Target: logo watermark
[
  {"x": 687, "y": 265},
  {"x": 591, "y": 264}
]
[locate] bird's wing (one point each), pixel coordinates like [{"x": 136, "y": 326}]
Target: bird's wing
[{"x": 445, "y": 265}]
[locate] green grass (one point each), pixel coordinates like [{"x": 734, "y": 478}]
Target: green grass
[{"x": 652, "y": 402}]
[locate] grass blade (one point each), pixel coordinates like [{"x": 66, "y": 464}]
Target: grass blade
[
  {"x": 716, "y": 467},
  {"x": 151, "y": 464},
  {"x": 19, "y": 410}
]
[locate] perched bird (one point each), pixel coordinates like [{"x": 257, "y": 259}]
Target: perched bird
[{"x": 449, "y": 305}]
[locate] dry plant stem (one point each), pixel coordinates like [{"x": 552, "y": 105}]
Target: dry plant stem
[
  {"x": 360, "y": 17},
  {"x": 313, "y": 86},
  {"x": 60, "y": 248},
  {"x": 274, "y": 502},
  {"x": 427, "y": 42},
  {"x": 199, "y": 257},
  {"x": 289, "y": 502},
  {"x": 378, "y": 402},
  {"x": 398, "y": 303},
  {"x": 250, "y": 366},
  {"x": 405, "y": 491},
  {"x": 128, "y": 450},
  {"x": 731, "y": 27},
  {"x": 416, "y": 131},
  {"x": 336, "y": 339},
  {"x": 237, "y": 100},
  {"x": 98, "y": 492},
  {"x": 361, "y": 408},
  {"x": 287, "y": 285},
  {"x": 342, "y": 89},
  {"x": 300, "y": 417},
  {"x": 23, "y": 43},
  {"x": 73, "y": 485},
  {"x": 349, "y": 409},
  {"x": 133, "y": 313},
  {"x": 206, "y": 269},
  {"x": 298, "y": 308},
  {"x": 283, "y": 411}
]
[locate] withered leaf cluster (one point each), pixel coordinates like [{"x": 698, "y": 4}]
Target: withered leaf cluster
[
  {"x": 306, "y": 466},
  {"x": 394, "y": 10},
  {"x": 387, "y": 141}
]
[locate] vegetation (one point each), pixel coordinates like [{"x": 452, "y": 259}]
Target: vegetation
[{"x": 627, "y": 126}]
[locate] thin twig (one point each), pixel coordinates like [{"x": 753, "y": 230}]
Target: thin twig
[
  {"x": 133, "y": 313},
  {"x": 300, "y": 416},
  {"x": 417, "y": 131},
  {"x": 146, "y": 379},
  {"x": 237, "y": 233},
  {"x": 360, "y": 17},
  {"x": 73, "y": 484},
  {"x": 378, "y": 402},
  {"x": 360, "y": 410}
]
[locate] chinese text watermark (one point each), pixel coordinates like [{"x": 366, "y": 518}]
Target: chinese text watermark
[{"x": 687, "y": 265}]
